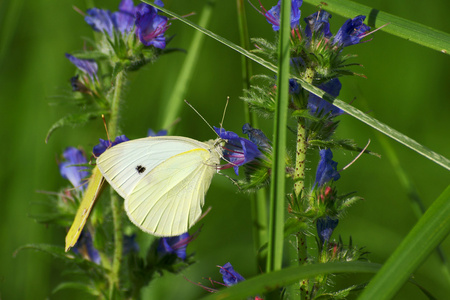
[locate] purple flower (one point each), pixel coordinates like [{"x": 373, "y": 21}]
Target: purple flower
[
  {"x": 294, "y": 87},
  {"x": 162, "y": 132},
  {"x": 317, "y": 105},
  {"x": 150, "y": 26},
  {"x": 85, "y": 247},
  {"x": 351, "y": 32},
  {"x": 68, "y": 170},
  {"x": 105, "y": 144},
  {"x": 100, "y": 20},
  {"x": 123, "y": 19},
  {"x": 327, "y": 168},
  {"x": 175, "y": 245},
  {"x": 229, "y": 275},
  {"x": 237, "y": 151},
  {"x": 88, "y": 66},
  {"x": 273, "y": 15},
  {"x": 318, "y": 23},
  {"x": 325, "y": 227},
  {"x": 256, "y": 136}
]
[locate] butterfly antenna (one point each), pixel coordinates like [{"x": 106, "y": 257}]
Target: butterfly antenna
[
  {"x": 106, "y": 127},
  {"x": 349, "y": 164},
  {"x": 224, "y": 112},
  {"x": 190, "y": 105}
]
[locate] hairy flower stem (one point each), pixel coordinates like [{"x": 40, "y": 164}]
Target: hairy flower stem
[
  {"x": 299, "y": 185},
  {"x": 116, "y": 208}
]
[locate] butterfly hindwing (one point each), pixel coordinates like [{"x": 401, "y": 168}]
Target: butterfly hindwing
[{"x": 168, "y": 201}]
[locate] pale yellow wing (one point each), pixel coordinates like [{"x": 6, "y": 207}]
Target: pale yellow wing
[
  {"x": 168, "y": 200},
  {"x": 90, "y": 195}
]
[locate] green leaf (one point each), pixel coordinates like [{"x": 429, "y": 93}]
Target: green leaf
[
  {"x": 274, "y": 280},
  {"x": 74, "y": 120},
  {"x": 425, "y": 236},
  {"x": 363, "y": 117},
  {"x": 95, "y": 54},
  {"x": 77, "y": 286},
  {"x": 409, "y": 30}
]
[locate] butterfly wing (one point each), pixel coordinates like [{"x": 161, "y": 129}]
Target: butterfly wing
[
  {"x": 163, "y": 180},
  {"x": 169, "y": 199},
  {"x": 125, "y": 164}
]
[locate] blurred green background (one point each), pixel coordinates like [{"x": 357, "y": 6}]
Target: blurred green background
[{"x": 406, "y": 87}]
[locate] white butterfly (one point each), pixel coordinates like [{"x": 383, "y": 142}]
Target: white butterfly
[{"x": 162, "y": 179}]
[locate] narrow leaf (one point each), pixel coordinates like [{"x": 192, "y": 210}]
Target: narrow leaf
[
  {"x": 274, "y": 280},
  {"x": 363, "y": 117},
  {"x": 409, "y": 30},
  {"x": 425, "y": 236}
]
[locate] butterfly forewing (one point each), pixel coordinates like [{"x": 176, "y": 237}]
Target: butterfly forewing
[{"x": 124, "y": 165}]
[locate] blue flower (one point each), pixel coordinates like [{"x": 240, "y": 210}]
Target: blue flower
[
  {"x": 150, "y": 26},
  {"x": 100, "y": 20},
  {"x": 162, "y": 132},
  {"x": 351, "y": 32},
  {"x": 105, "y": 144},
  {"x": 85, "y": 247},
  {"x": 75, "y": 174},
  {"x": 88, "y": 66},
  {"x": 294, "y": 87},
  {"x": 174, "y": 245},
  {"x": 229, "y": 275},
  {"x": 256, "y": 136},
  {"x": 317, "y": 105},
  {"x": 273, "y": 15},
  {"x": 325, "y": 227},
  {"x": 318, "y": 23},
  {"x": 123, "y": 19},
  {"x": 327, "y": 168},
  {"x": 237, "y": 151}
]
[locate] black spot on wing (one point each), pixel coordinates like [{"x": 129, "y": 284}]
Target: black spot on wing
[{"x": 140, "y": 169}]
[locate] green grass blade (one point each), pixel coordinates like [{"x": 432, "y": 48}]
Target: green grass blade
[
  {"x": 410, "y": 143},
  {"x": 272, "y": 281},
  {"x": 175, "y": 101},
  {"x": 425, "y": 236},
  {"x": 277, "y": 184},
  {"x": 412, "y": 31}
]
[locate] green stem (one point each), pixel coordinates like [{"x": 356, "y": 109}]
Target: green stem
[
  {"x": 277, "y": 185},
  {"x": 116, "y": 207},
  {"x": 299, "y": 186}
]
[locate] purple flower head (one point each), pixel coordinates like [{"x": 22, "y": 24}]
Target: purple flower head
[
  {"x": 273, "y": 15},
  {"x": 105, "y": 144},
  {"x": 318, "y": 23},
  {"x": 325, "y": 227},
  {"x": 351, "y": 32},
  {"x": 175, "y": 245},
  {"x": 237, "y": 151},
  {"x": 229, "y": 275},
  {"x": 88, "y": 66},
  {"x": 75, "y": 174},
  {"x": 150, "y": 26},
  {"x": 256, "y": 136},
  {"x": 162, "y": 132},
  {"x": 123, "y": 19},
  {"x": 100, "y": 20},
  {"x": 294, "y": 87},
  {"x": 317, "y": 105},
  {"x": 85, "y": 247},
  {"x": 327, "y": 168}
]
